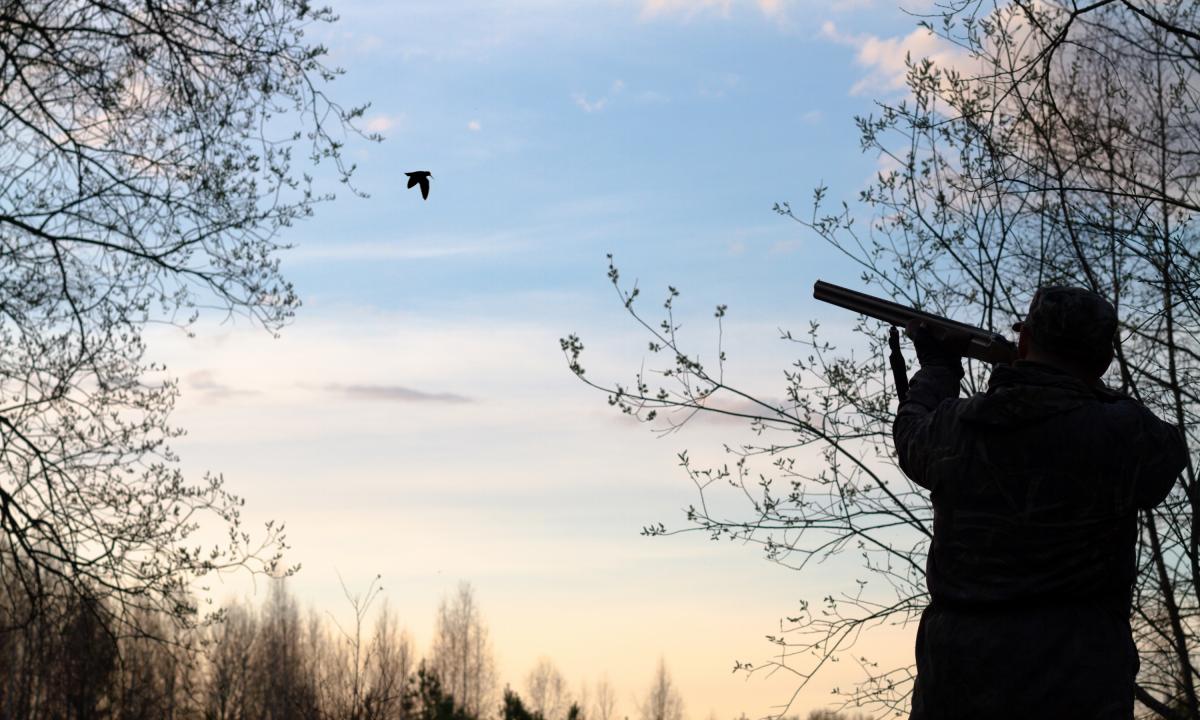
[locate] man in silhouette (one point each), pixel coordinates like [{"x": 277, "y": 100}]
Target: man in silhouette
[{"x": 1035, "y": 485}]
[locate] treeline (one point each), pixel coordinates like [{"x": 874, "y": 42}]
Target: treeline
[
  {"x": 271, "y": 662},
  {"x": 60, "y": 659}
]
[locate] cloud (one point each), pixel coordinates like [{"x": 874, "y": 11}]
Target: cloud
[
  {"x": 380, "y": 251},
  {"x": 383, "y": 123},
  {"x": 718, "y": 85},
  {"x": 652, "y": 9},
  {"x": 843, "y": 6},
  {"x": 771, "y": 8},
  {"x": 393, "y": 393},
  {"x": 755, "y": 238},
  {"x": 204, "y": 382},
  {"x": 591, "y": 106},
  {"x": 885, "y": 58},
  {"x": 401, "y": 248},
  {"x": 368, "y": 43},
  {"x": 689, "y": 8},
  {"x": 784, "y": 247},
  {"x": 474, "y": 126},
  {"x": 653, "y": 96}
]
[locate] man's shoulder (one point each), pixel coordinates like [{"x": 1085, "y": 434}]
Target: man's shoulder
[
  {"x": 1109, "y": 415},
  {"x": 1124, "y": 408}
]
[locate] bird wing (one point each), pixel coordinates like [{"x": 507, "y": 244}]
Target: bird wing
[
  {"x": 425, "y": 188},
  {"x": 412, "y": 179}
]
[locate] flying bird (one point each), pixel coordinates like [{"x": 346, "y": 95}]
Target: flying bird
[{"x": 422, "y": 177}]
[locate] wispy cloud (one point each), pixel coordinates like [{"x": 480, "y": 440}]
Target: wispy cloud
[
  {"x": 885, "y": 58},
  {"x": 590, "y": 106},
  {"x": 205, "y": 383},
  {"x": 474, "y": 126},
  {"x": 719, "y": 85},
  {"x": 653, "y": 97},
  {"x": 383, "y": 251},
  {"x": 425, "y": 247},
  {"x": 751, "y": 240},
  {"x": 687, "y": 9},
  {"x": 383, "y": 123},
  {"x": 393, "y": 393},
  {"x": 785, "y": 247},
  {"x": 367, "y": 43}
]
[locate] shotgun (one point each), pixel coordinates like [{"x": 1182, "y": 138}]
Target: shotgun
[{"x": 984, "y": 345}]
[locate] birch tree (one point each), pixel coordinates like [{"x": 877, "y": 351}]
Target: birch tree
[
  {"x": 547, "y": 690},
  {"x": 461, "y": 656},
  {"x": 604, "y": 706},
  {"x": 662, "y": 700}
]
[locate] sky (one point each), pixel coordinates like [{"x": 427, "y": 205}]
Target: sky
[{"x": 418, "y": 419}]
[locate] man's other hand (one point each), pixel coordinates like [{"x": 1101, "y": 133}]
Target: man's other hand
[{"x": 936, "y": 345}]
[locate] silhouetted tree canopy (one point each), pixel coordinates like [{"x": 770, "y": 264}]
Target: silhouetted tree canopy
[
  {"x": 271, "y": 661},
  {"x": 514, "y": 709},
  {"x": 151, "y": 157},
  {"x": 429, "y": 701}
]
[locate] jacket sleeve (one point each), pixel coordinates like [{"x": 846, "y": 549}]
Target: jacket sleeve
[
  {"x": 915, "y": 429},
  {"x": 1164, "y": 455}
]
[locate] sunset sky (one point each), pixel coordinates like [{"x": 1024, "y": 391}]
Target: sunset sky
[{"x": 418, "y": 419}]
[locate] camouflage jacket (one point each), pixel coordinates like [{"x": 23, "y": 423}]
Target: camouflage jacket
[{"x": 1035, "y": 487}]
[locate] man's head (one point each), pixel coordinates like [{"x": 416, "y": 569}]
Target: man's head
[{"x": 1071, "y": 328}]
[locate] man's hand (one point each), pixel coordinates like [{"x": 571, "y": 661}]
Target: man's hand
[{"x": 936, "y": 345}]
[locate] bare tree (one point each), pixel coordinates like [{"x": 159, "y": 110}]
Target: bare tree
[
  {"x": 547, "y": 690},
  {"x": 145, "y": 176},
  {"x": 273, "y": 663},
  {"x": 1061, "y": 150},
  {"x": 662, "y": 700},
  {"x": 835, "y": 715},
  {"x": 56, "y": 661},
  {"x": 155, "y": 679},
  {"x": 606, "y": 700},
  {"x": 286, "y": 669},
  {"x": 461, "y": 655},
  {"x": 358, "y": 654},
  {"x": 583, "y": 700},
  {"x": 389, "y": 667},
  {"x": 228, "y": 669}
]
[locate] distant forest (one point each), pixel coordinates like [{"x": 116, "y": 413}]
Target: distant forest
[{"x": 275, "y": 662}]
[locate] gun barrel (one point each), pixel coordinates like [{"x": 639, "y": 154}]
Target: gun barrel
[{"x": 984, "y": 345}]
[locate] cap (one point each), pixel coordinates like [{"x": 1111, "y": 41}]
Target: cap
[{"x": 1070, "y": 321}]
